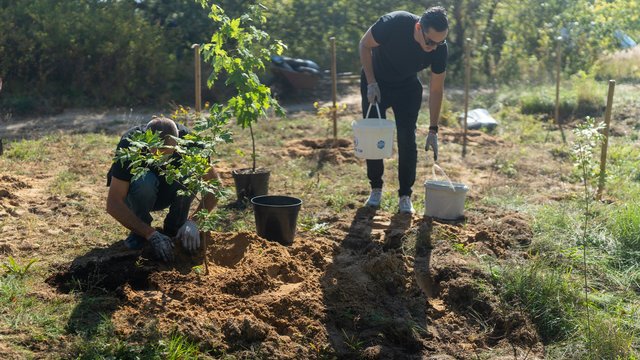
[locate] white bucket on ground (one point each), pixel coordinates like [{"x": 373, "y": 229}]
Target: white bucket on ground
[
  {"x": 444, "y": 199},
  {"x": 373, "y": 138}
]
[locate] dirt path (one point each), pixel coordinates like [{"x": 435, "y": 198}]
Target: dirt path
[{"x": 79, "y": 121}]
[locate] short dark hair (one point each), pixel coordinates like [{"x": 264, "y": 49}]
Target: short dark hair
[
  {"x": 436, "y": 18},
  {"x": 165, "y": 126}
]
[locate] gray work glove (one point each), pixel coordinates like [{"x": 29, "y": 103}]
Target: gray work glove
[
  {"x": 373, "y": 93},
  {"x": 162, "y": 246},
  {"x": 189, "y": 236},
  {"x": 432, "y": 141}
]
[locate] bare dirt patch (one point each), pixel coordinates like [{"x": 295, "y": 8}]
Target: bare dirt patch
[
  {"x": 323, "y": 150},
  {"x": 366, "y": 295},
  {"x": 474, "y": 137}
]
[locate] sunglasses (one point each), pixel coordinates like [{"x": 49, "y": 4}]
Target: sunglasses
[{"x": 429, "y": 42}]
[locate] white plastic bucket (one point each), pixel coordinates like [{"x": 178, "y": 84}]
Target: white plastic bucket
[
  {"x": 444, "y": 200},
  {"x": 373, "y": 138}
]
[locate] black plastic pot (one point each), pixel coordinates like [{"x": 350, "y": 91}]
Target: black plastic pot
[
  {"x": 250, "y": 184},
  {"x": 276, "y": 217}
]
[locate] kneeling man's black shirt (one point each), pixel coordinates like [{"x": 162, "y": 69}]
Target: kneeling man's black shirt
[{"x": 122, "y": 171}]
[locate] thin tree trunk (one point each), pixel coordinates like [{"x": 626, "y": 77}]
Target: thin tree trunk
[
  {"x": 253, "y": 148},
  {"x": 485, "y": 37}
]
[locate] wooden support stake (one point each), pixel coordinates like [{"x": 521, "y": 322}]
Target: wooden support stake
[
  {"x": 334, "y": 89},
  {"x": 205, "y": 242},
  {"x": 605, "y": 141},
  {"x": 198, "y": 76},
  {"x": 467, "y": 81},
  {"x": 558, "y": 68}
]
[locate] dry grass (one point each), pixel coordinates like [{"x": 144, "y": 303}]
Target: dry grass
[{"x": 623, "y": 65}]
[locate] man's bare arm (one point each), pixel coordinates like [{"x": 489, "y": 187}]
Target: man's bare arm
[
  {"x": 367, "y": 43},
  {"x": 117, "y": 208},
  {"x": 436, "y": 94}
]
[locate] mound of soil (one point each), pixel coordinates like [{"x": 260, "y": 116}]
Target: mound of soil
[
  {"x": 349, "y": 294},
  {"x": 322, "y": 150}
]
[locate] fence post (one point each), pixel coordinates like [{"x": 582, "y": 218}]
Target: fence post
[
  {"x": 558, "y": 68},
  {"x": 605, "y": 141},
  {"x": 334, "y": 89},
  {"x": 198, "y": 76},
  {"x": 467, "y": 81}
]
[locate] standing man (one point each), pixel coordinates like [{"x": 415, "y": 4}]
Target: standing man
[
  {"x": 392, "y": 52},
  {"x": 131, "y": 202}
]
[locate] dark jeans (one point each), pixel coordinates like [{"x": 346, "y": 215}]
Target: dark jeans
[
  {"x": 152, "y": 193},
  {"x": 405, "y": 101}
]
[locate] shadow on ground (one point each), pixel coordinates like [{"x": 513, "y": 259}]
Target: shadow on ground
[{"x": 375, "y": 309}]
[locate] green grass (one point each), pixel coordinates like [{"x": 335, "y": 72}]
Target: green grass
[
  {"x": 609, "y": 338},
  {"x": 309, "y": 223},
  {"x": 108, "y": 346},
  {"x": 104, "y": 343},
  {"x": 621, "y": 66},
  {"x": 506, "y": 197},
  {"x": 29, "y": 150},
  {"x": 625, "y": 228},
  {"x": 548, "y": 296},
  {"x": 64, "y": 183},
  {"x": 579, "y": 97},
  {"x": 14, "y": 268},
  {"x": 523, "y": 129},
  {"x": 26, "y": 314}
]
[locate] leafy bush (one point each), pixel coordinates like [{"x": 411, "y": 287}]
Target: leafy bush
[
  {"x": 584, "y": 98},
  {"x": 543, "y": 103},
  {"x": 86, "y": 51},
  {"x": 589, "y": 95}
]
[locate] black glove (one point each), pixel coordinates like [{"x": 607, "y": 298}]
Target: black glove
[{"x": 162, "y": 246}]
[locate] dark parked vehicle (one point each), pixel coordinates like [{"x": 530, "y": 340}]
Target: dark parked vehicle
[{"x": 291, "y": 74}]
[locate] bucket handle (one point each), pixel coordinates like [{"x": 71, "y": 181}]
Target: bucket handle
[
  {"x": 377, "y": 108},
  {"x": 433, "y": 172}
]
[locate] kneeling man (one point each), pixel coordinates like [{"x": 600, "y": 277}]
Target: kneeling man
[{"x": 131, "y": 202}]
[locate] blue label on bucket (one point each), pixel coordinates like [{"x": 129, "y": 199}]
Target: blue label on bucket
[{"x": 381, "y": 144}]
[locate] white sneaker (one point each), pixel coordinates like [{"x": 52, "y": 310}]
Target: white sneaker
[
  {"x": 405, "y": 206},
  {"x": 374, "y": 198}
]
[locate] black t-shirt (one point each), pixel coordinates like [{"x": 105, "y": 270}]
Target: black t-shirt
[
  {"x": 399, "y": 57},
  {"x": 121, "y": 171}
]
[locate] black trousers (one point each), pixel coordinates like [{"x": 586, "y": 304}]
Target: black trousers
[{"x": 405, "y": 101}]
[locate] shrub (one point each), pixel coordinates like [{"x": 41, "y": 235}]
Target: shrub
[{"x": 543, "y": 103}]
